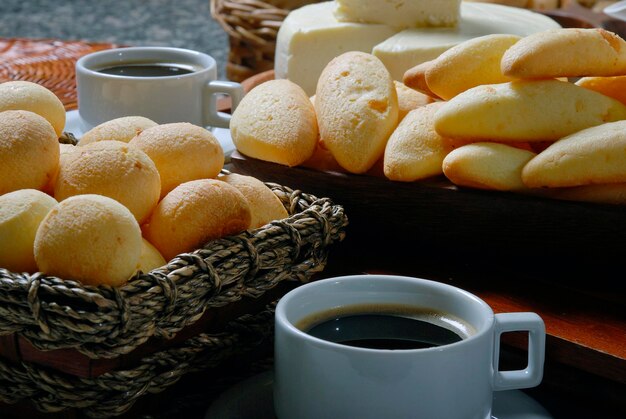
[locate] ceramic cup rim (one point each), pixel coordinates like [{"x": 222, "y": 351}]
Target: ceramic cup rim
[
  {"x": 290, "y": 328},
  {"x": 86, "y": 65}
]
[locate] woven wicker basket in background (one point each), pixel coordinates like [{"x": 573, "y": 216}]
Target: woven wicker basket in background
[{"x": 252, "y": 27}]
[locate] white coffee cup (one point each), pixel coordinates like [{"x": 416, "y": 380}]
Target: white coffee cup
[
  {"x": 316, "y": 378},
  {"x": 190, "y": 97}
]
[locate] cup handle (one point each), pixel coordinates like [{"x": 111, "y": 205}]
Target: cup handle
[
  {"x": 211, "y": 115},
  {"x": 530, "y": 376}
]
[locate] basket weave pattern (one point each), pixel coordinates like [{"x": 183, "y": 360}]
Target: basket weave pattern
[
  {"x": 252, "y": 27},
  {"x": 107, "y": 322}
]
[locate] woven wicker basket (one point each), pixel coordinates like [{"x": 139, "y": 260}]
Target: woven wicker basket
[
  {"x": 252, "y": 27},
  {"x": 105, "y": 322}
]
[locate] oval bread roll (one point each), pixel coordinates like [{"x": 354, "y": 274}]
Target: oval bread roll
[
  {"x": 469, "y": 64},
  {"x": 89, "y": 238},
  {"x": 614, "y": 87},
  {"x": 21, "y": 213},
  {"x": 549, "y": 54},
  {"x": 487, "y": 166},
  {"x": 120, "y": 129},
  {"x": 194, "y": 213},
  {"x": 409, "y": 99},
  {"x": 265, "y": 206},
  {"x": 114, "y": 169},
  {"x": 150, "y": 257},
  {"x": 357, "y": 109},
  {"x": 29, "y": 151},
  {"x": 415, "y": 78},
  {"x": 525, "y": 110},
  {"x": 181, "y": 152},
  {"x": 592, "y": 156},
  {"x": 415, "y": 150},
  {"x": 29, "y": 96},
  {"x": 275, "y": 122},
  {"x": 610, "y": 193}
]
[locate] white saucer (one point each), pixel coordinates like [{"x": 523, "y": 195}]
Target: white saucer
[
  {"x": 74, "y": 125},
  {"x": 252, "y": 399}
]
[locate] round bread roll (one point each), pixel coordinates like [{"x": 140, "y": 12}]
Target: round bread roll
[
  {"x": 150, "y": 257},
  {"x": 357, "y": 109},
  {"x": 181, "y": 152},
  {"x": 28, "y": 96},
  {"x": 120, "y": 129},
  {"x": 194, "y": 213},
  {"x": 20, "y": 214},
  {"x": 275, "y": 122},
  {"x": 89, "y": 238},
  {"x": 265, "y": 206},
  {"x": 114, "y": 169},
  {"x": 29, "y": 151}
]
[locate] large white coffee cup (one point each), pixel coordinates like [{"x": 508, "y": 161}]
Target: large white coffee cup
[
  {"x": 190, "y": 97},
  {"x": 316, "y": 378}
]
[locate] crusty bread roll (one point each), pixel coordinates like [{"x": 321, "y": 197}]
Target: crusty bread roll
[
  {"x": 609, "y": 193},
  {"x": 591, "y": 156},
  {"x": 549, "y": 54},
  {"x": 89, "y": 238},
  {"x": 29, "y": 151},
  {"x": 357, "y": 109},
  {"x": 415, "y": 78},
  {"x": 415, "y": 150},
  {"x": 29, "y": 96},
  {"x": 469, "y": 64},
  {"x": 114, "y": 169},
  {"x": 487, "y": 166},
  {"x": 409, "y": 99},
  {"x": 614, "y": 87},
  {"x": 21, "y": 213},
  {"x": 120, "y": 129},
  {"x": 181, "y": 152},
  {"x": 265, "y": 206},
  {"x": 525, "y": 110},
  {"x": 323, "y": 161},
  {"x": 150, "y": 257},
  {"x": 194, "y": 213},
  {"x": 275, "y": 122}
]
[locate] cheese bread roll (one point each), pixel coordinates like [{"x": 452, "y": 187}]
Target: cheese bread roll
[
  {"x": 409, "y": 99},
  {"x": 550, "y": 53},
  {"x": 592, "y": 156},
  {"x": 357, "y": 109},
  {"x": 415, "y": 150},
  {"x": 415, "y": 78},
  {"x": 614, "y": 87},
  {"x": 525, "y": 110},
  {"x": 120, "y": 129},
  {"x": 469, "y": 64},
  {"x": 487, "y": 166}
]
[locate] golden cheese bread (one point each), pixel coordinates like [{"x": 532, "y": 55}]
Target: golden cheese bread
[
  {"x": 194, "y": 213},
  {"x": 469, "y": 64},
  {"x": 114, "y": 169},
  {"x": 591, "y": 156},
  {"x": 121, "y": 129},
  {"x": 275, "y": 122},
  {"x": 150, "y": 257},
  {"x": 415, "y": 150},
  {"x": 89, "y": 238},
  {"x": 525, "y": 110},
  {"x": 357, "y": 109},
  {"x": 485, "y": 165},
  {"x": 614, "y": 87},
  {"x": 181, "y": 152},
  {"x": 415, "y": 78},
  {"x": 546, "y": 54},
  {"x": 409, "y": 99},
  {"x": 608, "y": 193},
  {"x": 21, "y": 212},
  {"x": 29, "y": 151}
]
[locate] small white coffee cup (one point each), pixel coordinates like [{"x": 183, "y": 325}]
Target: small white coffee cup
[
  {"x": 316, "y": 378},
  {"x": 189, "y": 97}
]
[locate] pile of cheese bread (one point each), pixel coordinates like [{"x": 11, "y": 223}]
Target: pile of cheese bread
[
  {"x": 543, "y": 114},
  {"x": 131, "y": 195}
]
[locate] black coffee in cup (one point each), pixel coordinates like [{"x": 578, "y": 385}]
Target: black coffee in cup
[
  {"x": 148, "y": 70},
  {"x": 386, "y": 326}
]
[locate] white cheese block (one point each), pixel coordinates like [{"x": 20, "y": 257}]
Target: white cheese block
[
  {"x": 310, "y": 37},
  {"x": 411, "y": 47},
  {"x": 399, "y": 13}
]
